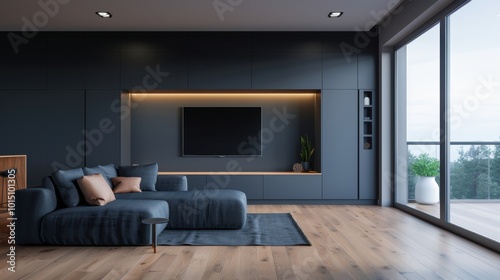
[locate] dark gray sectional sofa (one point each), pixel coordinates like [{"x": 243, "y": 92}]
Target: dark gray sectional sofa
[{"x": 43, "y": 216}]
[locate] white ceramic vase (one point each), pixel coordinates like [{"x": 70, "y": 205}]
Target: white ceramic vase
[{"x": 427, "y": 190}]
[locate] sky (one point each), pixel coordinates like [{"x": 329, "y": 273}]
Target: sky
[{"x": 474, "y": 77}]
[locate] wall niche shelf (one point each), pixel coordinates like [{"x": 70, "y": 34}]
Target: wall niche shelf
[{"x": 367, "y": 119}]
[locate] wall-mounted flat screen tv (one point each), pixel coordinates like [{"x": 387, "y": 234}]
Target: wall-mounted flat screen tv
[{"x": 221, "y": 131}]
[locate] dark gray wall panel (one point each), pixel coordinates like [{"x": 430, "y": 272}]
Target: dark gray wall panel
[
  {"x": 23, "y": 42},
  {"x": 367, "y": 70},
  {"x": 65, "y": 128},
  {"x": 152, "y": 71},
  {"x": 24, "y": 114},
  {"x": 55, "y": 122},
  {"x": 220, "y": 71},
  {"x": 102, "y": 70},
  {"x": 65, "y": 42},
  {"x": 107, "y": 42},
  {"x": 251, "y": 185},
  {"x": 286, "y": 71},
  {"x": 340, "y": 144},
  {"x": 197, "y": 182},
  {"x": 219, "y": 42},
  {"x": 289, "y": 42},
  {"x": 66, "y": 71},
  {"x": 292, "y": 187},
  {"x": 339, "y": 72},
  {"x": 154, "y": 42},
  {"x": 350, "y": 42},
  {"x": 103, "y": 127},
  {"x": 23, "y": 70}
]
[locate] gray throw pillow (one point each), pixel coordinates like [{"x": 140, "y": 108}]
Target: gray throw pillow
[
  {"x": 148, "y": 174},
  {"x": 67, "y": 187},
  {"x": 107, "y": 171}
]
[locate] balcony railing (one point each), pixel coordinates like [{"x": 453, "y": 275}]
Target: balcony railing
[
  {"x": 474, "y": 185},
  {"x": 474, "y": 168}
]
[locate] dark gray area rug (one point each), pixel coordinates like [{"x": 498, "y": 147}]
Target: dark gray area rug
[{"x": 270, "y": 229}]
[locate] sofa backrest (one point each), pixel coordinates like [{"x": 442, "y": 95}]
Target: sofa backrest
[{"x": 171, "y": 183}]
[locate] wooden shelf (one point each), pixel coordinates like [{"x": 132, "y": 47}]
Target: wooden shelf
[
  {"x": 9, "y": 162},
  {"x": 312, "y": 173}
]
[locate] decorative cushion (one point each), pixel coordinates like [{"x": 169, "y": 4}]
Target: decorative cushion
[
  {"x": 66, "y": 186},
  {"x": 95, "y": 189},
  {"x": 126, "y": 184},
  {"x": 108, "y": 171},
  {"x": 148, "y": 174}
]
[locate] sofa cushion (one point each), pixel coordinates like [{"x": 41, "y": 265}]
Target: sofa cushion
[
  {"x": 206, "y": 209},
  {"x": 66, "y": 186},
  {"x": 95, "y": 189},
  {"x": 148, "y": 174},
  {"x": 48, "y": 183},
  {"x": 126, "y": 184},
  {"x": 108, "y": 171},
  {"x": 116, "y": 223}
]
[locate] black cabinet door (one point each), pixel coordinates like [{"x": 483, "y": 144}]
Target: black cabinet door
[
  {"x": 23, "y": 70},
  {"x": 64, "y": 129},
  {"x": 367, "y": 70},
  {"x": 220, "y": 70},
  {"x": 286, "y": 70},
  {"x": 292, "y": 186},
  {"x": 251, "y": 185},
  {"x": 24, "y": 113},
  {"x": 340, "y": 72},
  {"x": 339, "y": 124},
  {"x": 102, "y": 70},
  {"x": 66, "y": 70},
  {"x": 102, "y": 131},
  {"x": 151, "y": 71}
]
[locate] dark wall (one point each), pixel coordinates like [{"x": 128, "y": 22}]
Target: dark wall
[{"x": 59, "y": 92}]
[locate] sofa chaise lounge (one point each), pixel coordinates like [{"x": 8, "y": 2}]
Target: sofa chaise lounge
[{"x": 56, "y": 212}]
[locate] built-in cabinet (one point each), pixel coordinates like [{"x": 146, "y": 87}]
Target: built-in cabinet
[
  {"x": 339, "y": 142},
  {"x": 260, "y": 185},
  {"x": 349, "y": 130},
  {"x": 61, "y": 85},
  {"x": 292, "y": 187}
]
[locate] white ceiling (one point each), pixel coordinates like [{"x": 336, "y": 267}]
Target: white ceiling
[{"x": 192, "y": 15}]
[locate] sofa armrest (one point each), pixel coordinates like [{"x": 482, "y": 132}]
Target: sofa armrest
[
  {"x": 171, "y": 183},
  {"x": 32, "y": 204}
]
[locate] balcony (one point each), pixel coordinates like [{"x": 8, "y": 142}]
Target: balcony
[
  {"x": 474, "y": 185},
  {"x": 478, "y": 216}
]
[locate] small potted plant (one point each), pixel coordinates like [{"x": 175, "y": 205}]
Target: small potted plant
[
  {"x": 305, "y": 153},
  {"x": 426, "y": 189}
]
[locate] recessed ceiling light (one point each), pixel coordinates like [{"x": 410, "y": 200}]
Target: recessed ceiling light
[
  {"x": 335, "y": 14},
  {"x": 104, "y": 14}
]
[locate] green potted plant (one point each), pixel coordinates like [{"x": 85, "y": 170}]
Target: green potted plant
[
  {"x": 305, "y": 153},
  {"x": 426, "y": 188}
]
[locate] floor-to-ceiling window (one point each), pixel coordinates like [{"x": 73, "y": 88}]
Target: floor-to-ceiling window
[
  {"x": 418, "y": 83},
  {"x": 448, "y": 109},
  {"x": 474, "y": 106}
]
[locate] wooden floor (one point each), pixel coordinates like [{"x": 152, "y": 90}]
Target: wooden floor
[
  {"x": 349, "y": 242},
  {"x": 480, "y": 217}
]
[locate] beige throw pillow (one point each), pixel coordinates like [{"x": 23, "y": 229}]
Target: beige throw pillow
[
  {"x": 95, "y": 189},
  {"x": 126, "y": 184}
]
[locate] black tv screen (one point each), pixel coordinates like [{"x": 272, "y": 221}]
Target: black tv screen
[{"x": 221, "y": 131}]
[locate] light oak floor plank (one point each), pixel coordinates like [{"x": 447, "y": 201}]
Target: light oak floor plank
[{"x": 348, "y": 242}]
